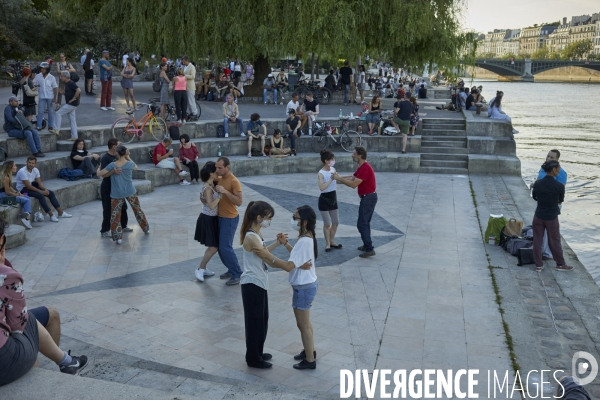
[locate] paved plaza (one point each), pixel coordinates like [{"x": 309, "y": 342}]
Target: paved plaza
[{"x": 425, "y": 301}]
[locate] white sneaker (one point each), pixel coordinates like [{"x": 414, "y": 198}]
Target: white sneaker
[
  {"x": 184, "y": 173},
  {"x": 208, "y": 272},
  {"x": 111, "y": 108},
  {"x": 264, "y": 155},
  {"x": 104, "y": 108},
  {"x": 119, "y": 241},
  {"x": 26, "y": 223},
  {"x": 200, "y": 275},
  {"x": 65, "y": 215},
  {"x": 235, "y": 101},
  {"x": 250, "y": 155},
  {"x": 242, "y": 134},
  {"x": 227, "y": 135},
  {"x": 106, "y": 234},
  {"x": 53, "y": 218},
  {"x": 184, "y": 183},
  {"x": 38, "y": 217}
]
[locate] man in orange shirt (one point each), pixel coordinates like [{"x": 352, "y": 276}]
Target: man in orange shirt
[{"x": 229, "y": 217}]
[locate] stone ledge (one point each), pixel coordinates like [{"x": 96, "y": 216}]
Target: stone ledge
[{"x": 494, "y": 164}]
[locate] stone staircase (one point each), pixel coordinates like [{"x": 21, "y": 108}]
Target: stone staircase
[{"x": 444, "y": 146}]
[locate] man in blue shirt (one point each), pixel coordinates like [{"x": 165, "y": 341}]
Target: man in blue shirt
[{"x": 553, "y": 155}]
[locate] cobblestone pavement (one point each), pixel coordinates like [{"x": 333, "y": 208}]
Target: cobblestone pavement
[
  {"x": 551, "y": 315},
  {"x": 424, "y": 301}
]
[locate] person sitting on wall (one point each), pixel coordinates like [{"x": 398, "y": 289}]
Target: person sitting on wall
[
  {"x": 277, "y": 147},
  {"x": 256, "y": 130},
  {"x": 162, "y": 158}
]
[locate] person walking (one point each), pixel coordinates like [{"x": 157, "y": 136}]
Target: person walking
[
  {"x": 190, "y": 78},
  {"x": 48, "y": 92},
  {"x": 180, "y": 95},
  {"x": 361, "y": 82},
  {"x": 328, "y": 206},
  {"x": 122, "y": 189},
  {"x": 403, "y": 110},
  {"x": 302, "y": 277},
  {"x": 231, "y": 189},
  {"x": 345, "y": 79},
  {"x": 72, "y": 96},
  {"x": 164, "y": 89},
  {"x": 106, "y": 72},
  {"x": 188, "y": 155},
  {"x": 364, "y": 180},
  {"x": 105, "y": 189},
  {"x": 207, "y": 226},
  {"x": 548, "y": 193},
  {"x": 127, "y": 74},
  {"x": 414, "y": 117}
]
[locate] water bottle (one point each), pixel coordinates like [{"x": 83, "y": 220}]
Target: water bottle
[
  {"x": 219, "y": 151},
  {"x": 341, "y": 115}
]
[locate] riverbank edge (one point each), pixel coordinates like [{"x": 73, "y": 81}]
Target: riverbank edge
[{"x": 542, "y": 337}]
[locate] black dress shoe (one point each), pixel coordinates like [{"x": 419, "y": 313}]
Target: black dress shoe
[
  {"x": 306, "y": 365},
  {"x": 302, "y": 355},
  {"x": 266, "y": 356},
  {"x": 39, "y": 154},
  {"x": 261, "y": 365}
]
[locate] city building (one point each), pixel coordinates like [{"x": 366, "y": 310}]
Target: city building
[
  {"x": 597, "y": 39},
  {"x": 534, "y": 37}
]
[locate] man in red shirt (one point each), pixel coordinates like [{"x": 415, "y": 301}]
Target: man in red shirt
[
  {"x": 364, "y": 180},
  {"x": 162, "y": 159}
]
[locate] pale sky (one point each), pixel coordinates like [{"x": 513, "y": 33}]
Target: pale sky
[{"x": 486, "y": 15}]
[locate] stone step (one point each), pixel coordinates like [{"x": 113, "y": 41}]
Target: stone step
[
  {"x": 67, "y": 145},
  {"x": 444, "y": 163},
  {"x": 443, "y": 132},
  {"x": 18, "y": 147},
  {"x": 444, "y": 143},
  {"x": 15, "y": 236},
  {"x": 12, "y": 215},
  {"x": 442, "y": 156},
  {"x": 446, "y": 150},
  {"x": 444, "y": 170},
  {"x": 443, "y": 121}
]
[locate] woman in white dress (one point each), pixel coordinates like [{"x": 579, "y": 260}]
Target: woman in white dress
[{"x": 495, "y": 110}]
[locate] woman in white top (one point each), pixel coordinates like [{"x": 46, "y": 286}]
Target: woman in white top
[
  {"x": 207, "y": 226},
  {"x": 328, "y": 206},
  {"x": 303, "y": 281},
  {"x": 255, "y": 281},
  {"x": 361, "y": 83},
  {"x": 495, "y": 109}
]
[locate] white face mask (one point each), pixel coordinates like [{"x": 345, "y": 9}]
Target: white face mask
[
  {"x": 295, "y": 224},
  {"x": 331, "y": 163},
  {"x": 265, "y": 223}
]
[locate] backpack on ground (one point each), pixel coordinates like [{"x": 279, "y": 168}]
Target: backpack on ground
[
  {"x": 69, "y": 174},
  {"x": 174, "y": 132},
  {"x": 256, "y": 152},
  {"x": 515, "y": 244},
  {"x": 504, "y": 238},
  {"x": 157, "y": 84},
  {"x": 220, "y": 131},
  {"x": 527, "y": 232},
  {"x": 525, "y": 256},
  {"x": 210, "y": 96}
]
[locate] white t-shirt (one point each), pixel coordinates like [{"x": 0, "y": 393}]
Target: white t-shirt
[
  {"x": 25, "y": 175},
  {"x": 125, "y": 57},
  {"x": 302, "y": 252},
  {"x": 361, "y": 78},
  {"x": 293, "y": 105}
]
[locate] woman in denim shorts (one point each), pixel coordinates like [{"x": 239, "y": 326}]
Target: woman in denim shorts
[{"x": 304, "y": 282}]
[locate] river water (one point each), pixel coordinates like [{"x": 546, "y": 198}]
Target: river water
[{"x": 563, "y": 116}]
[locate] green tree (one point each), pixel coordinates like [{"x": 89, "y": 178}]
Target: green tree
[
  {"x": 577, "y": 49},
  {"x": 540, "y": 54},
  {"x": 410, "y": 32}
]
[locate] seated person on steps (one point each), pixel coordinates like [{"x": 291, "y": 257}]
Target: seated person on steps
[
  {"x": 256, "y": 130},
  {"x": 231, "y": 113},
  {"x": 29, "y": 182},
  {"x": 310, "y": 109},
  {"x": 277, "y": 147},
  {"x": 87, "y": 162},
  {"x": 162, "y": 158},
  {"x": 14, "y": 128}
]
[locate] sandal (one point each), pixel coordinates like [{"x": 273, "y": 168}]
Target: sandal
[
  {"x": 337, "y": 246},
  {"x": 328, "y": 249}
]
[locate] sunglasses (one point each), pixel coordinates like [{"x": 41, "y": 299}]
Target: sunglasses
[{"x": 296, "y": 218}]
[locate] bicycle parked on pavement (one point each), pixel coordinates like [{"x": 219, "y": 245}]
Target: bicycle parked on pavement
[
  {"x": 322, "y": 94},
  {"x": 171, "y": 114},
  {"x": 326, "y": 136},
  {"x": 125, "y": 129}
]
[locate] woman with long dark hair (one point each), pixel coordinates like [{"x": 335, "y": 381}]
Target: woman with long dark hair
[
  {"x": 88, "y": 68},
  {"x": 373, "y": 115},
  {"x": 81, "y": 159},
  {"x": 328, "y": 206},
  {"x": 127, "y": 74},
  {"x": 207, "y": 226},
  {"x": 122, "y": 189},
  {"x": 495, "y": 109},
  {"x": 6, "y": 172},
  {"x": 303, "y": 281}
]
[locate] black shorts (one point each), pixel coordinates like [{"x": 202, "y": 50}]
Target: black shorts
[
  {"x": 20, "y": 352},
  {"x": 29, "y": 110},
  {"x": 89, "y": 74}
]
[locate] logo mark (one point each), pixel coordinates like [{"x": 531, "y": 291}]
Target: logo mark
[{"x": 580, "y": 368}]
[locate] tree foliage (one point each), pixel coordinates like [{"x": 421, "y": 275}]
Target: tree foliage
[
  {"x": 413, "y": 32},
  {"x": 541, "y": 54},
  {"x": 577, "y": 49}
]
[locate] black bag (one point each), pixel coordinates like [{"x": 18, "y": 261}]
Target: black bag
[
  {"x": 527, "y": 232},
  {"x": 504, "y": 238},
  {"x": 220, "y": 131},
  {"x": 174, "y": 132},
  {"x": 74, "y": 77},
  {"x": 514, "y": 244},
  {"x": 525, "y": 256},
  {"x": 9, "y": 201},
  {"x": 256, "y": 152},
  {"x": 157, "y": 84}
]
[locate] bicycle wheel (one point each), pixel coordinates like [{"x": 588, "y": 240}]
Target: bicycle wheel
[
  {"x": 157, "y": 127},
  {"x": 350, "y": 139},
  {"x": 324, "y": 95},
  {"x": 319, "y": 141},
  {"x": 120, "y": 130}
]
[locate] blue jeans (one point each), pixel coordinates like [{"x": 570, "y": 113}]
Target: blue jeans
[
  {"x": 31, "y": 135},
  {"x": 303, "y": 295},
  {"x": 365, "y": 213},
  {"x": 473, "y": 108},
  {"x": 42, "y": 104},
  {"x": 347, "y": 91},
  {"x": 22, "y": 200},
  {"x": 226, "y": 125},
  {"x": 274, "y": 90},
  {"x": 227, "y": 228},
  {"x": 41, "y": 198},
  {"x": 292, "y": 138}
]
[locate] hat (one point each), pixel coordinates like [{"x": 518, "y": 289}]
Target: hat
[
  {"x": 291, "y": 111},
  {"x": 44, "y": 64},
  {"x": 270, "y": 75},
  {"x": 13, "y": 98},
  {"x": 104, "y": 52}
]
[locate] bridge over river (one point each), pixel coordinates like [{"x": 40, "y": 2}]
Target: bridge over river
[{"x": 527, "y": 69}]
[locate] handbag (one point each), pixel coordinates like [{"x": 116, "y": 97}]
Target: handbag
[
  {"x": 9, "y": 201},
  {"x": 525, "y": 256},
  {"x": 22, "y": 122},
  {"x": 513, "y": 227},
  {"x": 267, "y": 150}
]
